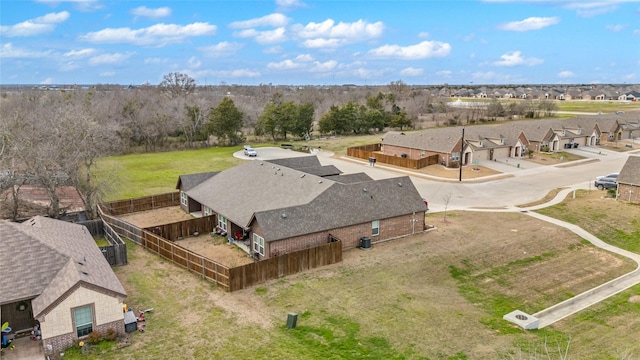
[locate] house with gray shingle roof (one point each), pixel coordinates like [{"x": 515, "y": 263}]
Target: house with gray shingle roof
[
  {"x": 52, "y": 273},
  {"x": 629, "y": 180},
  {"x": 284, "y": 205}
]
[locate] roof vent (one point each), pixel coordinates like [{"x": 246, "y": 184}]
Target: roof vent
[
  {"x": 85, "y": 273},
  {"x": 400, "y": 184},
  {"x": 364, "y": 189},
  {"x": 301, "y": 176},
  {"x": 284, "y": 216},
  {"x": 319, "y": 181}
]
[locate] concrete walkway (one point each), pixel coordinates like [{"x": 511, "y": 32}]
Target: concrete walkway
[{"x": 519, "y": 169}]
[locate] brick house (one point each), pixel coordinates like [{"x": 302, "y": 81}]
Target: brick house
[
  {"x": 274, "y": 207},
  {"x": 52, "y": 273},
  {"x": 629, "y": 180}
]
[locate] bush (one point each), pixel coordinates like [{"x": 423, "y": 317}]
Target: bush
[
  {"x": 110, "y": 334},
  {"x": 94, "y": 337}
]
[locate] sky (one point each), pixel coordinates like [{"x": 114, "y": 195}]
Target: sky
[{"x": 321, "y": 42}]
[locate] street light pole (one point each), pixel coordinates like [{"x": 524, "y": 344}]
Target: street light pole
[{"x": 461, "y": 154}]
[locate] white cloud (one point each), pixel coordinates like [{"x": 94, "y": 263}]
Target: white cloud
[
  {"x": 290, "y": 4},
  {"x": 636, "y": 32},
  {"x": 47, "y": 81},
  {"x": 630, "y": 77},
  {"x": 304, "y": 57},
  {"x": 323, "y": 67},
  {"x": 8, "y": 51},
  {"x": 285, "y": 65},
  {"x": 154, "y": 61},
  {"x": 584, "y": 8},
  {"x": 515, "y": 58},
  {"x": 359, "y": 30},
  {"x": 194, "y": 63},
  {"x": 79, "y": 53},
  {"x": 107, "y": 74},
  {"x": 109, "y": 58},
  {"x": 36, "y": 26},
  {"x": 144, "y": 11},
  {"x": 565, "y": 74},
  {"x": 423, "y": 35},
  {"x": 263, "y": 37},
  {"x": 273, "y": 20},
  {"x": 155, "y": 35},
  {"x": 220, "y": 49},
  {"x": 323, "y": 43},
  {"x": 423, "y": 50},
  {"x": 532, "y": 23},
  {"x": 616, "y": 28},
  {"x": 444, "y": 73},
  {"x": 273, "y": 50},
  {"x": 411, "y": 71}
]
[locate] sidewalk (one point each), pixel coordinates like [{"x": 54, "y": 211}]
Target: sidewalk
[{"x": 581, "y": 301}]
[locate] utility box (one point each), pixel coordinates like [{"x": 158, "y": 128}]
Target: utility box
[
  {"x": 130, "y": 321},
  {"x": 292, "y": 319}
]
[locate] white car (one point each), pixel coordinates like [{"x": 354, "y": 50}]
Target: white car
[{"x": 249, "y": 151}]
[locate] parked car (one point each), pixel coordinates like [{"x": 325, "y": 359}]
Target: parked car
[
  {"x": 606, "y": 183},
  {"x": 249, "y": 151},
  {"x": 613, "y": 176}
]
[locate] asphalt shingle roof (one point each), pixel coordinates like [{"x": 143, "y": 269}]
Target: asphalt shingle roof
[
  {"x": 343, "y": 205},
  {"x": 630, "y": 173},
  {"x": 43, "y": 258}
]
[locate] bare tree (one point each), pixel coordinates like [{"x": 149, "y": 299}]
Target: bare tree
[
  {"x": 446, "y": 200},
  {"x": 177, "y": 84}
]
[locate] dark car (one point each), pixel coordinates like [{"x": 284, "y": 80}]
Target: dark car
[{"x": 606, "y": 183}]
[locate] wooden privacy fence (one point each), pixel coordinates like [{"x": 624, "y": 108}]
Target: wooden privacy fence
[
  {"x": 230, "y": 279},
  {"x": 127, "y": 206},
  {"x": 287, "y": 264},
  {"x": 373, "y": 151},
  {"x": 183, "y": 229},
  {"x": 206, "y": 268},
  {"x": 116, "y": 251}
]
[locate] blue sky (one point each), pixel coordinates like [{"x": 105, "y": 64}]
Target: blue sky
[{"x": 296, "y": 42}]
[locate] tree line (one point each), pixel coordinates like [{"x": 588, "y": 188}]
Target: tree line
[{"x": 54, "y": 138}]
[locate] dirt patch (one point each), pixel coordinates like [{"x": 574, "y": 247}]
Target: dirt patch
[
  {"x": 213, "y": 247},
  {"x": 216, "y": 248},
  {"x": 161, "y": 216}
]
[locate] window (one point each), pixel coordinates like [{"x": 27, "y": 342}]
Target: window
[
  {"x": 375, "y": 227},
  {"x": 455, "y": 156},
  {"x": 207, "y": 211},
  {"x": 222, "y": 222},
  {"x": 83, "y": 320},
  {"x": 183, "y": 198},
  {"x": 258, "y": 244}
]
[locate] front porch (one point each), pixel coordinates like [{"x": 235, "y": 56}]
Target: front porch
[{"x": 23, "y": 348}]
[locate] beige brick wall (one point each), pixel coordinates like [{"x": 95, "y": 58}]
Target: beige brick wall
[{"x": 59, "y": 321}]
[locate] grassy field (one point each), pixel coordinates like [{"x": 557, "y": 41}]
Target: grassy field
[{"x": 438, "y": 295}]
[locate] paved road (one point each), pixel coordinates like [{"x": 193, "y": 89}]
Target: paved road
[{"x": 529, "y": 182}]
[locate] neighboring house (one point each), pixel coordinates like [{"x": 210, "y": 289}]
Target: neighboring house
[
  {"x": 629, "y": 180},
  {"x": 53, "y": 273},
  {"x": 284, "y": 205},
  {"x": 481, "y": 143}
]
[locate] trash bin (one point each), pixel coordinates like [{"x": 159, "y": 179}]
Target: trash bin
[{"x": 292, "y": 319}]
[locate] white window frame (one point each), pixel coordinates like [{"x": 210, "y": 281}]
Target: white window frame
[
  {"x": 207, "y": 211},
  {"x": 375, "y": 228},
  {"x": 455, "y": 156},
  {"x": 84, "y": 327},
  {"x": 222, "y": 222},
  {"x": 258, "y": 244},
  {"x": 183, "y": 198}
]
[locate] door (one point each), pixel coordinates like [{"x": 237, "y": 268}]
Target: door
[{"x": 19, "y": 315}]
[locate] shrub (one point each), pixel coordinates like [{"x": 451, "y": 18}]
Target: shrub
[
  {"x": 94, "y": 337},
  {"x": 110, "y": 334}
]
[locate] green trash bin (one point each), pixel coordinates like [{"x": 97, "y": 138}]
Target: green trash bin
[{"x": 292, "y": 319}]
